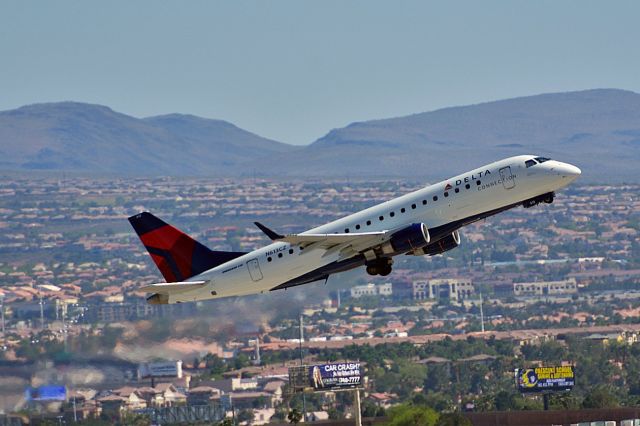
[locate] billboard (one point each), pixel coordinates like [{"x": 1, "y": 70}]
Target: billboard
[
  {"x": 334, "y": 376},
  {"x": 545, "y": 379},
  {"x": 160, "y": 369},
  {"x": 46, "y": 393}
]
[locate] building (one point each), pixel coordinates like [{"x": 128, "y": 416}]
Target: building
[
  {"x": 546, "y": 288},
  {"x": 385, "y": 289},
  {"x": 452, "y": 289},
  {"x": 420, "y": 290},
  {"x": 371, "y": 290}
]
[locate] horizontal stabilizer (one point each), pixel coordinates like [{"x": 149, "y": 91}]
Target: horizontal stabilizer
[{"x": 173, "y": 288}]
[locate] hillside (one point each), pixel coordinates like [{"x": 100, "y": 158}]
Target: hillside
[
  {"x": 599, "y": 130},
  {"x": 95, "y": 139}
]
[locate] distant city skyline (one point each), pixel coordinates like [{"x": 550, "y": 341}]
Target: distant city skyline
[{"x": 292, "y": 71}]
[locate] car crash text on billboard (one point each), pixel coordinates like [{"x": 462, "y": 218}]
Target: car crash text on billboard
[
  {"x": 545, "y": 379},
  {"x": 338, "y": 375}
]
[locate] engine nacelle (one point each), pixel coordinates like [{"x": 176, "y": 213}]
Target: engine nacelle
[
  {"x": 413, "y": 237},
  {"x": 445, "y": 244}
]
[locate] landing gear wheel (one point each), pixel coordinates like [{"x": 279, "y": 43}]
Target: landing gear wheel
[
  {"x": 548, "y": 199},
  {"x": 380, "y": 267}
]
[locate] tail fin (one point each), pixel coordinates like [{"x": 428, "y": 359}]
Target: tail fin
[{"x": 177, "y": 256}]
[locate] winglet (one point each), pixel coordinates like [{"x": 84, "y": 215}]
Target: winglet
[{"x": 271, "y": 234}]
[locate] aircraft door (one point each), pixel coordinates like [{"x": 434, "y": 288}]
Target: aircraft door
[
  {"x": 254, "y": 270},
  {"x": 508, "y": 179}
]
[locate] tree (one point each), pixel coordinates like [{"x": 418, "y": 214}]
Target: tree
[
  {"x": 227, "y": 421},
  {"x": 132, "y": 419},
  {"x": 411, "y": 415},
  {"x": 294, "y": 416},
  {"x": 600, "y": 397},
  {"x": 505, "y": 401},
  {"x": 453, "y": 419},
  {"x": 246, "y": 416}
]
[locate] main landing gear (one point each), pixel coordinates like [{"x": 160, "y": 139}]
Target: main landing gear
[
  {"x": 544, "y": 198},
  {"x": 380, "y": 267}
]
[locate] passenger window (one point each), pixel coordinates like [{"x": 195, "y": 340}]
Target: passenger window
[
  {"x": 446, "y": 194},
  {"x": 413, "y": 206},
  {"x": 478, "y": 182},
  {"x": 435, "y": 198},
  {"x": 290, "y": 251},
  {"x": 357, "y": 226},
  {"x": 381, "y": 218},
  {"x": 529, "y": 163},
  {"x": 368, "y": 222},
  {"x": 424, "y": 202},
  {"x": 346, "y": 230},
  {"x": 392, "y": 214},
  {"x": 457, "y": 190},
  {"x": 269, "y": 259},
  {"x": 279, "y": 254},
  {"x": 402, "y": 210},
  {"x": 467, "y": 186}
]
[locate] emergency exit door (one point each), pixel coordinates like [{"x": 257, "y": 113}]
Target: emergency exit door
[{"x": 254, "y": 270}]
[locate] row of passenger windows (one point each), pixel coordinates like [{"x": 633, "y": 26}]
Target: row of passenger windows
[
  {"x": 413, "y": 207},
  {"x": 269, "y": 259}
]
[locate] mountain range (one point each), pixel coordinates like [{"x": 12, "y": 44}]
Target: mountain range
[{"x": 598, "y": 130}]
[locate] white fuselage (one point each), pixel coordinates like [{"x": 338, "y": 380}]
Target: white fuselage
[{"x": 494, "y": 186}]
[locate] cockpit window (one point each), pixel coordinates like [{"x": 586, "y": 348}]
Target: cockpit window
[
  {"x": 542, "y": 159},
  {"x": 529, "y": 163}
]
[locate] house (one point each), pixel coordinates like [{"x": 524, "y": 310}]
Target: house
[
  {"x": 262, "y": 416},
  {"x": 112, "y": 405},
  {"x": 171, "y": 395},
  {"x": 274, "y": 388},
  {"x": 383, "y": 399},
  {"x": 317, "y": 416},
  {"x": 202, "y": 395},
  {"x": 152, "y": 396}
]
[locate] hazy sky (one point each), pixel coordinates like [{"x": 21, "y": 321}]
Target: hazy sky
[{"x": 293, "y": 70}]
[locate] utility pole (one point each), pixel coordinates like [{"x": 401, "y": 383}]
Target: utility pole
[
  {"x": 64, "y": 326},
  {"x": 41, "y": 312},
  {"x": 304, "y": 399},
  {"x": 258, "y": 360},
  {"x": 481, "y": 314},
  {"x": 4, "y": 334},
  {"x": 357, "y": 413}
]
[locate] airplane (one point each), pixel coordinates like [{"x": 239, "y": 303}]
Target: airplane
[{"x": 425, "y": 222}]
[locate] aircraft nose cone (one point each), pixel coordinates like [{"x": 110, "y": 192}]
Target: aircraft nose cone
[{"x": 569, "y": 171}]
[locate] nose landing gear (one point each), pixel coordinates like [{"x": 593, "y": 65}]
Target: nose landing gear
[
  {"x": 380, "y": 267},
  {"x": 544, "y": 198}
]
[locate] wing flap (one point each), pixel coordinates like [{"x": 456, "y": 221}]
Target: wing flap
[
  {"x": 332, "y": 239},
  {"x": 344, "y": 243},
  {"x": 173, "y": 288}
]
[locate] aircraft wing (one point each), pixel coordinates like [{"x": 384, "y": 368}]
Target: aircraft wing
[
  {"x": 347, "y": 244},
  {"x": 173, "y": 288}
]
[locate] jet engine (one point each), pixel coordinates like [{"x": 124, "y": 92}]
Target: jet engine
[
  {"x": 414, "y": 236},
  {"x": 447, "y": 243}
]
